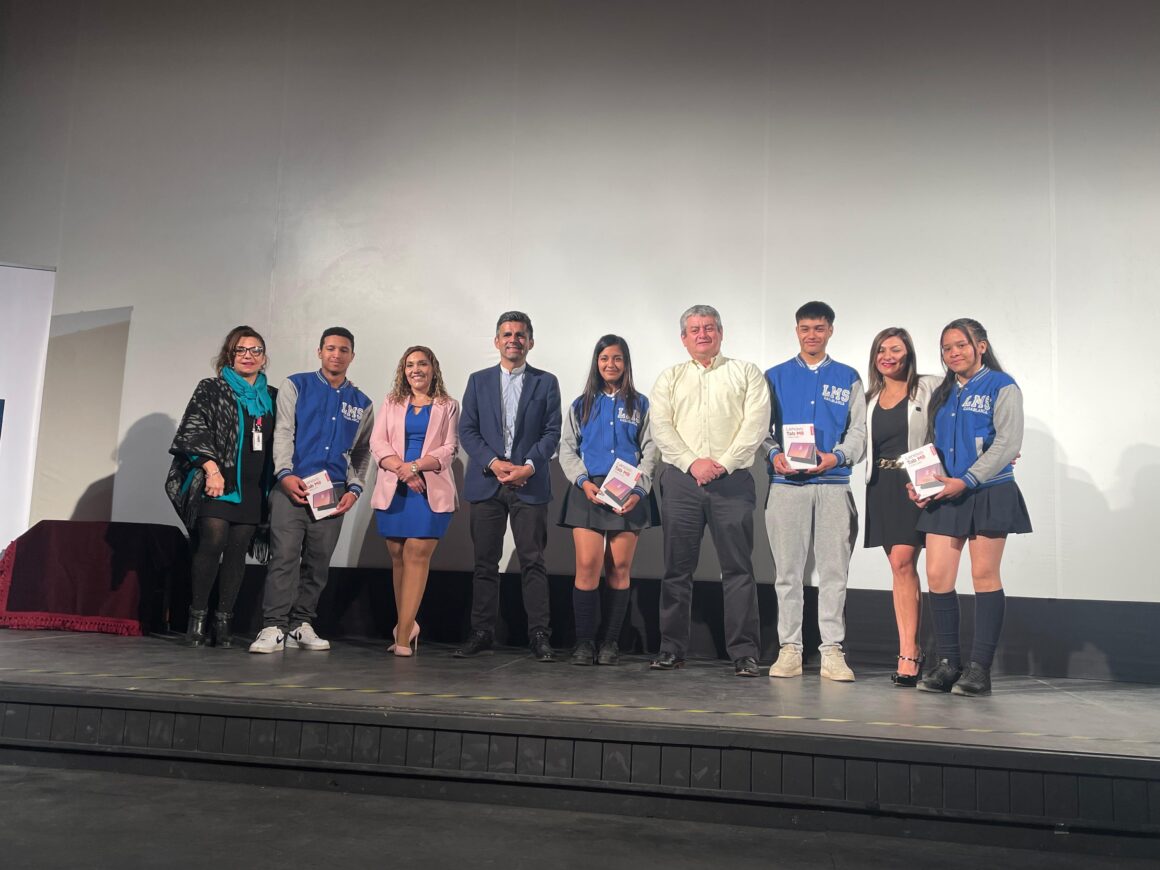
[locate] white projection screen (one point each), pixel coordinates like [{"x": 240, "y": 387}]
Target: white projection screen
[{"x": 410, "y": 170}]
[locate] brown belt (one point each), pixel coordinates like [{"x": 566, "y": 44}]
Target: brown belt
[{"x": 889, "y": 463}]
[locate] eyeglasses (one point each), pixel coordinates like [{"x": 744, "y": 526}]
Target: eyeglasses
[{"x": 250, "y": 351}]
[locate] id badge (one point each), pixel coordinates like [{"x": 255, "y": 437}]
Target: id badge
[{"x": 257, "y": 436}]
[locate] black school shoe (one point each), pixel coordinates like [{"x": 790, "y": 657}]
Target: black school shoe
[
  {"x": 584, "y": 653},
  {"x": 975, "y": 682},
  {"x": 609, "y": 653},
  {"x": 941, "y": 678}
]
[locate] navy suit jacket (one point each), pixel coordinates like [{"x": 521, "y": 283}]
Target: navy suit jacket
[{"x": 537, "y": 433}]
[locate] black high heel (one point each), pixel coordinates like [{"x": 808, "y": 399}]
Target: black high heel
[{"x": 908, "y": 681}]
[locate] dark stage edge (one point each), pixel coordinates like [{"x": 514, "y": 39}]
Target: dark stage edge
[{"x": 1049, "y": 764}]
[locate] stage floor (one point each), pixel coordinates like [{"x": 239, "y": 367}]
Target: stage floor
[{"x": 1073, "y": 717}]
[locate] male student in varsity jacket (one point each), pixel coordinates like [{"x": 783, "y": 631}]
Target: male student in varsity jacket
[
  {"x": 324, "y": 423},
  {"x": 812, "y": 388}
]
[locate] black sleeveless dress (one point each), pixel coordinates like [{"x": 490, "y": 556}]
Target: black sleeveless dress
[{"x": 890, "y": 514}]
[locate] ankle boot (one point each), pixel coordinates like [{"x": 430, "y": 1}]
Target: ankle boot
[
  {"x": 195, "y": 629},
  {"x": 222, "y": 636}
]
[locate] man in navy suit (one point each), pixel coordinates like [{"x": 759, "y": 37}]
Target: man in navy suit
[{"x": 509, "y": 426}]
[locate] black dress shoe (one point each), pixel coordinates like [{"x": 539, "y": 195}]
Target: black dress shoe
[
  {"x": 609, "y": 653},
  {"x": 542, "y": 650},
  {"x": 746, "y": 666},
  {"x": 941, "y": 678},
  {"x": 584, "y": 653},
  {"x": 975, "y": 682},
  {"x": 666, "y": 661},
  {"x": 477, "y": 643}
]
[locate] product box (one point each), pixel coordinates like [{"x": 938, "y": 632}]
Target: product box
[
  {"x": 800, "y": 450},
  {"x": 924, "y": 468},
  {"x": 619, "y": 483},
  {"x": 321, "y": 495}
]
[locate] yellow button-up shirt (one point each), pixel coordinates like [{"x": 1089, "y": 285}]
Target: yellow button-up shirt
[{"x": 720, "y": 411}]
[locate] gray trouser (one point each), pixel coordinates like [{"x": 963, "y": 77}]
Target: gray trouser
[
  {"x": 300, "y": 551},
  {"x": 792, "y": 515}
]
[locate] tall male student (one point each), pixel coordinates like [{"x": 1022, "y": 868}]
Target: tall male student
[
  {"x": 324, "y": 424},
  {"x": 815, "y": 504}
]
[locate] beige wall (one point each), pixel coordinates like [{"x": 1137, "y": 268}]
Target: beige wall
[
  {"x": 80, "y": 415},
  {"x": 412, "y": 169}
]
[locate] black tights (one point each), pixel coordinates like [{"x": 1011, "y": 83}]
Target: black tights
[{"x": 224, "y": 542}]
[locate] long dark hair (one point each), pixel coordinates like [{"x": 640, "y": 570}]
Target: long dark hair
[
  {"x": 595, "y": 385},
  {"x": 874, "y": 377},
  {"x": 225, "y": 357},
  {"x": 975, "y": 333}
]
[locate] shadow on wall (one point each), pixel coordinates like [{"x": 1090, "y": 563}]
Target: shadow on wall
[
  {"x": 147, "y": 440},
  {"x": 1090, "y": 638}
]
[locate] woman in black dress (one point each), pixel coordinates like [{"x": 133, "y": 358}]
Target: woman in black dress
[
  {"x": 896, "y": 422},
  {"x": 220, "y": 476}
]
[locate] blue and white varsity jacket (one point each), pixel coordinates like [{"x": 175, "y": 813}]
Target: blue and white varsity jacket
[
  {"x": 831, "y": 397},
  {"x": 320, "y": 427},
  {"x": 591, "y": 449},
  {"x": 978, "y": 431}
]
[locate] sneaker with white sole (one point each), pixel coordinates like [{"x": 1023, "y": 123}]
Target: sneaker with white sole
[
  {"x": 269, "y": 640},
  {"x": 788, "y": 664},
  {"x": 304, "y": 637},
  {"x": 834, "y": 666}
]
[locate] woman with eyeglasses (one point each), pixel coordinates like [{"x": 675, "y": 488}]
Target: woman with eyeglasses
[{"x": 221, "y": 473}]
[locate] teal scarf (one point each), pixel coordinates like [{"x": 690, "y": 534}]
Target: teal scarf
[{"x": 254, "y": 399}]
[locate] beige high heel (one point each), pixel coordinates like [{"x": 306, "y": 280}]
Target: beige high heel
[{"x": 412, "y": 646}]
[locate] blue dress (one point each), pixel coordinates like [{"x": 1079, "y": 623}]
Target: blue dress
[{"x": 410, "y": 516}]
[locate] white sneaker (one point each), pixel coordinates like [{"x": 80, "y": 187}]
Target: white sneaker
[
  {"x": 304, "y": 637},
  {"x": 788, "y": 664},
  {"x": 834, "y": 666},
  {"x": 269, "y": 640}
]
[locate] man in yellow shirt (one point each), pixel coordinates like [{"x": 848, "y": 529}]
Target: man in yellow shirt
[{"x": 709, "y": 415}]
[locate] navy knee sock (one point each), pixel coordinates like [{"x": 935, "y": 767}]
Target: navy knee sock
[
  {"x": 989, "y": 610},
  {"x": 617, "y": 607},
  {"x": 584, "y": 604},
  {"x": 944, "y": 607}
]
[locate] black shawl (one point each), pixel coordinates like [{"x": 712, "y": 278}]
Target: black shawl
[{"x": 208, "y": 430}]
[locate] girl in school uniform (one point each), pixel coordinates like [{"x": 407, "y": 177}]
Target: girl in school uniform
[
  {"x": 608, "y": 421},
  {"x": 976, "y": 417}
]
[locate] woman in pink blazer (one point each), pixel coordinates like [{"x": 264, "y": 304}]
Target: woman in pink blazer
[{"x": 414, "y": 440}]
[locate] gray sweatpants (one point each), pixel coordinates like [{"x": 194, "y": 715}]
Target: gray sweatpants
[
  {"x": 794, "y": 514},
  {"x": 300, "y": 551}
]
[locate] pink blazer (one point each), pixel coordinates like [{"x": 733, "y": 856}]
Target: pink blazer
[{"x": 388, "y": 438}]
